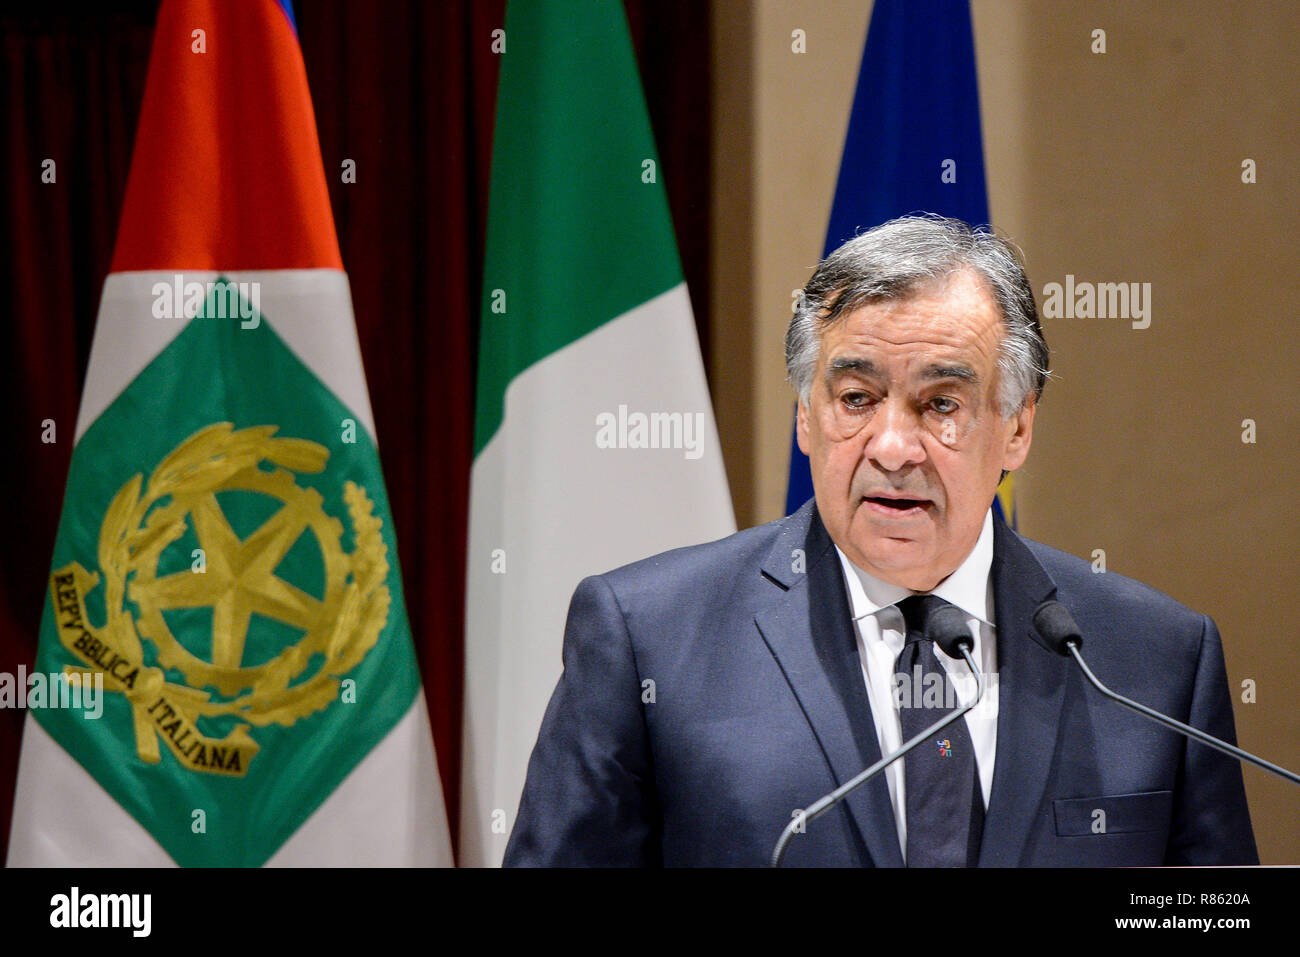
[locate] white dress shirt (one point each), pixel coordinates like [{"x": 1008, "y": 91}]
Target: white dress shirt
[{"x": 881, "y": 634}]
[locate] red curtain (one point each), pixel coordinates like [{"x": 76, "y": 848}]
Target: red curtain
[
  {"x": 71, "y": 95},
  {"x": 406, "y": 89}
]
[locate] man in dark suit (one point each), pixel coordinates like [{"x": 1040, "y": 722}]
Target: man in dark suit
[{"x": 711, "y": 692}]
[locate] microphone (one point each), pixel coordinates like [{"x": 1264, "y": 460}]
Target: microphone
[
  {"x": 1058, "y": 633},
  {"x": 946, "y": 626}
]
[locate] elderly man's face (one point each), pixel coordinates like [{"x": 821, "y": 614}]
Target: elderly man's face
[{"x": 904, "y": 432}]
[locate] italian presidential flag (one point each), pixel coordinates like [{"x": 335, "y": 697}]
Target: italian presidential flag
[
  {"x": 225, "y": 565},
  {"x": 595, "y": 443}
]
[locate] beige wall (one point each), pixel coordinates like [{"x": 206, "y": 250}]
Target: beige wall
[{"x": 1117, "y": 167}]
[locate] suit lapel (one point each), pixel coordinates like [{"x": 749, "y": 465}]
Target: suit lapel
[
  {"x": 808, "y": 627},
  {"x": 1031, "y": 689}
]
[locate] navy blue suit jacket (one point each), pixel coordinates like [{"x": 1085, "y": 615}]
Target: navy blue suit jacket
[{"x": 710, "y": 691}]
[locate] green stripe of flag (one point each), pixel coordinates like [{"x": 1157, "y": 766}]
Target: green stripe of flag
[{"x": 579, "y": 230}]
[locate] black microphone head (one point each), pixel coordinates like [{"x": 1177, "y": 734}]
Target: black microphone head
[
  {"x": 1055, "y": 627},
  {"x": 946, "y": 626}
]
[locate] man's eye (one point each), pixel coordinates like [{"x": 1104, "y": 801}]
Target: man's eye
[
  {"x": 943, "y": 405},
  {"x": 855, "y": 400}
]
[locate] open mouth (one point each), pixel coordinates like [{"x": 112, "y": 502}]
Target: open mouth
[{"x": 896, "y": 506}]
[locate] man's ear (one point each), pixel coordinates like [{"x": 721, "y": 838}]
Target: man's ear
[
  {"x": 1021, "y": 427},
  {"x": 801, "y": 427}
]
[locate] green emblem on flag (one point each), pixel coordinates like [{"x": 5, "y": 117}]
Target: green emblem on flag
[{"x": 251, "y": 642}]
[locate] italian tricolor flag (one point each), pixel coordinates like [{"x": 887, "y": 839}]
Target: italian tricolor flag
[
  {"x": 225, "y": 563},
  {"x": 595, "y": 442}
]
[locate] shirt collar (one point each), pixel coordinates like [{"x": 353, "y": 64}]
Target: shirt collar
[{"x": 967, "y": 587}]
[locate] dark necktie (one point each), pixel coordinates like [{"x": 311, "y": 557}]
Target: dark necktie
[{"x": 945, "y": 807}]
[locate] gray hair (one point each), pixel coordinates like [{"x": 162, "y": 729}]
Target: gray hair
[{"x": 896, "y": 260}]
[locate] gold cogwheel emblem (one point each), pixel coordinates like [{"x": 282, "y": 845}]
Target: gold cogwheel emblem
[{"x": 238, "y": 580}]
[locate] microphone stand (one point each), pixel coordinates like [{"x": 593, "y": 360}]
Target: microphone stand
[
  {"x": 1207, "y": 739},
  {"x": 821, "y": 806}
]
